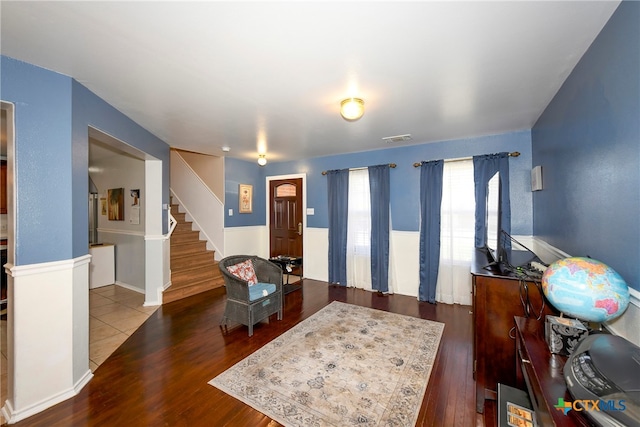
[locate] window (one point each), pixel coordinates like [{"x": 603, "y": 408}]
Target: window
[
  {"x": 458, "y": 212},
  {"x": 359, "y": 222},
  {"x": 457, "y": 233},
  {"x": 286, "y": 190},
  {"x": 359, "y": 230}
]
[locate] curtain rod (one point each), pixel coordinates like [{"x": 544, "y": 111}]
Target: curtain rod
[
  {"x": 391, "y": 165},
  {"x": 460, "y": 159}
]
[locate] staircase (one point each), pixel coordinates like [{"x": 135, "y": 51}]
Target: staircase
[{"x": 193, "y": 268}]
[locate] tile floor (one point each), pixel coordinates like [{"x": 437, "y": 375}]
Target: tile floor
[{"x": 114, "y": 314}]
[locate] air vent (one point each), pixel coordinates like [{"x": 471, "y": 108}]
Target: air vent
[{"x": 397, "y": 138}]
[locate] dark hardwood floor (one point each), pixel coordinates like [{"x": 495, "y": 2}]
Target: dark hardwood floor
[{"x": 159, "y": 376}]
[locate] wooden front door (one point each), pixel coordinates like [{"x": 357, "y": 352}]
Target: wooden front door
[{"x": 285, "y": 220}]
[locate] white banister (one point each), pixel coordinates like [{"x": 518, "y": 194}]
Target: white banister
[{"x": 172, "y": 224}]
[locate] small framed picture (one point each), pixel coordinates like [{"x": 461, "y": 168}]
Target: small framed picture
[
  {"x": 245, "y": 195},
  {"x": 115, "y": 198}
]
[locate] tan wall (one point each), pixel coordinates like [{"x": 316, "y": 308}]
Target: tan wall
[{"x": 209, "y": 168}]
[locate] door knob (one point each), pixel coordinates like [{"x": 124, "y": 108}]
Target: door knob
[{"x": 300, "y": 229}]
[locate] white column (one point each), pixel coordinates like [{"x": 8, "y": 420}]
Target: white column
[{"x": 47, "y": 335}]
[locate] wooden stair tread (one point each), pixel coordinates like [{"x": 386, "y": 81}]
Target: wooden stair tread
[
  {"x": 193, "y": 266},
  {"x": 175, "y": 293}
]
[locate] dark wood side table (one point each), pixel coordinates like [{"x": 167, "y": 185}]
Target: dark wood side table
[
  {"x": 287, "y": 264},
  {"x": 541, "y": 373}
]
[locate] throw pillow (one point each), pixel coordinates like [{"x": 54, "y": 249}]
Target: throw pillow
[{"x": 244, "y": 271}]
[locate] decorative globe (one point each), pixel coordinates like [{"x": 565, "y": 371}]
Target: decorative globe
[{"x": 586, "y": 289}]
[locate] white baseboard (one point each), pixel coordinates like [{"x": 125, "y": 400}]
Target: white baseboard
[
  {"x": 130, "y": 287},
  {"x": 13, "y": 417}
]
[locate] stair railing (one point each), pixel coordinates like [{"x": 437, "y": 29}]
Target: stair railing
[{"x": 172, "y": 223}]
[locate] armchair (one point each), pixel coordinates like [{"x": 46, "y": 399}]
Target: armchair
[{"x": 247, "y": 304}]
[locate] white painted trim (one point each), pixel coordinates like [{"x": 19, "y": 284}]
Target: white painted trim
[
  {"x": 158, "y": 300},
  {"x": 130, "y": 287},
  {"x": 539, "y": 244},
  {"x": 548, "y": 248},
  {"x": 46, "y": 267},
  {"x": 304, "y": 208},
  {"x": 156, "y": 237},
  {"x": 29, "y": 334},
  {"x": 124, "y": 232},
  {"x": 634, "y": 297},
  {"x": 13, "y": 417}
]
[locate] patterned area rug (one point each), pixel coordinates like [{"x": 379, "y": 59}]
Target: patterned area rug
[{"x": 344, "y": 366}]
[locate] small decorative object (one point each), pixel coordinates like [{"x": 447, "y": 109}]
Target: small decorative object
[
  {"x": 563, "y": 335},
  {"x": 115, "y": 197},
  {"x": 586, "y": 289},
  {"x": 245, "y": 194},
  {"x": 103, "y": 205},
  {"x": 135, "y": 197}
]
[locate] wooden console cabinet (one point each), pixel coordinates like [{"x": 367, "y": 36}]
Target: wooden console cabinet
[
  {"x": 541, "y": 373},
  {"x": 497, "y": 299}
]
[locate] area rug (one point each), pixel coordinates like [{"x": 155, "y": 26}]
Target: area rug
[{"x": 344, "y": 366}]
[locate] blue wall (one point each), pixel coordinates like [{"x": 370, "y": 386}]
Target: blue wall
[
  {"x": 405, "y": 179},
  {"x": 588, "y": 143},
  {"x": 43, "y": 157},
  {"x": 242, "y": 172},
  {"x": 90, "y": 110},
  {"x": 52, "y": 113}
]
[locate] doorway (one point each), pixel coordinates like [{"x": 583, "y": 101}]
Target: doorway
[
  {"x": 286, "y": 219},
  {"x": 6, "y": 239}
]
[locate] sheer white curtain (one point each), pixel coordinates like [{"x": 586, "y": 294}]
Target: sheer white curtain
[
  {"x": 359, "y": 231},
  {"x": 457, "y": 233}
]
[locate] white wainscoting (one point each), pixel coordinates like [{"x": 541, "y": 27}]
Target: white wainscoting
[
  {"x": 246, "y": 241},
  {"x": 47, "y": 335},
  {"x": 626, "y": 325},
  {"x": 404, "y": 257},
  {"x": 316, "y": 254},
  {"x": 404, "y": 247}
]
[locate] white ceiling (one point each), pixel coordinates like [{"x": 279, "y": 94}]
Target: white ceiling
[{"x": 269, "y": 76}]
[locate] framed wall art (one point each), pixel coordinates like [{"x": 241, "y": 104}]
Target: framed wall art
[
  {"x": 115, "y": 199},
  {"x": 246, "y": 198}
]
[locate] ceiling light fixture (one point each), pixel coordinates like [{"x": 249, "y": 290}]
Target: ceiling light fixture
[
  {"x": 352, "y": 109},
  {"x": 262, "y": 160}
]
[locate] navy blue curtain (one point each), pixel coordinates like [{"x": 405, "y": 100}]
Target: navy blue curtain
[
  {"x": 484, "y": 167},
  {"x": 338, "y": 190},
  {"x": 379, "y": 195},
  {"x": 430, "y": 202}
]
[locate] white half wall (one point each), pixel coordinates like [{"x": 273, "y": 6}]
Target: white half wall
[
  {"x": 316, "y": 254},
  {"x": 404, "y": 253},
  {"x": 246, "y": 241},
  {"x": 47, "y": 335},
  {"x": 404, "y": 258}
]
